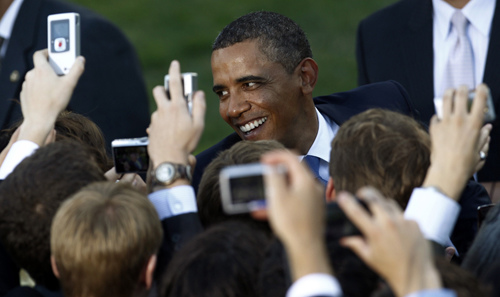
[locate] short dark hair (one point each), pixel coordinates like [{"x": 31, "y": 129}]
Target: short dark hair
[
  {"x": 383, "y": 149},
  {"x": 485, "y": 251},
  {"x": 30, "y": 197},
  {"x": 209, "y": 199},
  {"x": 453, "y": 277},
  {"x": 222, "y": 261},
  {"x": 280, "y": 39},
  {"x": 72, "y": 126},
  {"x": 354, "y": 276}
]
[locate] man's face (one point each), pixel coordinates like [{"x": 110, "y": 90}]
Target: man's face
[{"x": 258, "y": 98}]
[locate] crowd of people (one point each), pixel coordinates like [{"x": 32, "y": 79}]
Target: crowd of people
[{"x": 363, "y": 198}]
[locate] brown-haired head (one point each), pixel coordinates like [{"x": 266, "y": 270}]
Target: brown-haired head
[{"x": 382, "y": 149}]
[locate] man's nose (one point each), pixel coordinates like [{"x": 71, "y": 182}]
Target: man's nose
[{"x": 237, "y": 106}]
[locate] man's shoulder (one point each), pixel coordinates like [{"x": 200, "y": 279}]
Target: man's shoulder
[{"x": 387, "y": 95}]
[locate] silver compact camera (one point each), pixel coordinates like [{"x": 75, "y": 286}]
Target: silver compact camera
[
  {"x": 189, "y": 85},
  {"x": 130, "y": 155},
  {"x": 242, "y": 187},
  {"x": 489, "y": 111}
]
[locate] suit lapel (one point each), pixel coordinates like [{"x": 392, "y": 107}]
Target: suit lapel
[
  {"x": 417, "y": 50},
  {"x": 17, "y": 59},
  {"x": 492, "y": 67}
]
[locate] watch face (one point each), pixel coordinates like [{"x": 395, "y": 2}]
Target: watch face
[{"x": 165, "y": 172}]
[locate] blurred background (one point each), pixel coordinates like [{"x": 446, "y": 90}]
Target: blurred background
[{"x": 163, "y": 30}]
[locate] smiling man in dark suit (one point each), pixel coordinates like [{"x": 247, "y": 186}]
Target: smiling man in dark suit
[
  {"x": 111, "y": 92},
  {"x": 264, "y": 74},
  {"x": 411, "y": 42}
]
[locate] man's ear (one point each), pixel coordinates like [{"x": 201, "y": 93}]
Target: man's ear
[
  {"x": 148, "y": 272},
  {"x": 309, "y": 74},
  {"x": 54, "y": 266},
  {"x": 330, "y": 191}
]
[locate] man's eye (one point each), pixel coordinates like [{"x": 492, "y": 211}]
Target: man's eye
[
  {"x": 251, "y": 85},
  {"x": 222, "y": 93}
]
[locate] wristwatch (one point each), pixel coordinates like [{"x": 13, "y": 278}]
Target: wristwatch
[{"x": 166, "y": 173}]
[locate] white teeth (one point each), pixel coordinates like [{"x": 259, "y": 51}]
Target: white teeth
[{"x": 252, "y": 125}]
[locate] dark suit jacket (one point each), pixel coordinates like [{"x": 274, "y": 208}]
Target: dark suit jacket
[
  {"x": 111, "y": 91},
  {"x": 396, "y": 43},
  {"x": 177, "y": 231},
  {"x": 339, "y": 107},
  {"x": 24, "y": 292}
]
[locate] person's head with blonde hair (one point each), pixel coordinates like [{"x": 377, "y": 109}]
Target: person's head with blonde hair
[{"x": 104, "y": 241}]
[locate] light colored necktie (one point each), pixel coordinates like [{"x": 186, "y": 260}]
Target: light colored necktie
[{"x": 460, "y": 67}]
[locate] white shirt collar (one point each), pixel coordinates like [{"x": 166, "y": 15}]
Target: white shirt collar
[
  {"x": 8, "y": 19},
  {"x": 322, "y": 144},
  {"x": 478, "y": 12},
  {"x": 442, "y": 17}
]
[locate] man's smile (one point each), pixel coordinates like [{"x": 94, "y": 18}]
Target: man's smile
[{"x": 252, "y": 125}]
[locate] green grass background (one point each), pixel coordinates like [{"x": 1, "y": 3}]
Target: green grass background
[{"x": 163, "y": 30}]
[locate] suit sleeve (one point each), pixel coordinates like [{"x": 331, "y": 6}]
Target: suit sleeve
[{"x": 177, "y": 211}]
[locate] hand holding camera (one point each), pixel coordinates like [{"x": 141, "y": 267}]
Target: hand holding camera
[
  {"x": 44, "y": 95},
  {"x": 392, "y": 246},
  {"x": 173, "y": 132},
  {"x": 456, "y": 140},
  {"x": 296, "y": 210}
]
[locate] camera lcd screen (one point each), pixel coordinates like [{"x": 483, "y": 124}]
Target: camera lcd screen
[
  {"x": 60, "y": 29},
  {"x": 59, "y": 36},
  {"x": 246, "y": 189},
  {"x": 131, "y": 159}
]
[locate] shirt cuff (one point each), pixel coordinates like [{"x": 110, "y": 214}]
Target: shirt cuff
[
  {"x": 316, "y": 284},
  {"x": 433, "y": 293},
  {"x": 434, "y": 212},
  {"x": 174, "y": 201},
  {"x": 17, "y": 153}
]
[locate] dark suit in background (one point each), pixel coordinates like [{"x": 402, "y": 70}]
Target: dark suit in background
[
  {"x": 111, "y": 91},
  {"x": 397, "y": 43}
]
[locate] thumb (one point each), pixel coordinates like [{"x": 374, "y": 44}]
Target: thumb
[{"x": 76, "y": 71}]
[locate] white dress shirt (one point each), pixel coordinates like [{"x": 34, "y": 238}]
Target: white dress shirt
[
  {"x": 321, "y": 146},
  {"x": 319, "y": 284},
  {"x": 7, "y": 23},
  {"x": 480, "y": 15},
  {"x": 434, "y": 213}
]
